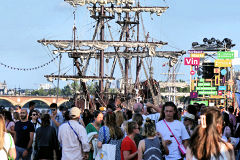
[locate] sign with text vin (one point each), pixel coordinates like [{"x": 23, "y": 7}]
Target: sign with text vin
[{"x": 194, "y": 61}]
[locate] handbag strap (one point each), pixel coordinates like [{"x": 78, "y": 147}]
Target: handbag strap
[
  {"x": 9, "y": 157},
  {"x": 104, "y": 135},
  {"x": 75, "y": 133},
  {"x": 171, "y": 131}
]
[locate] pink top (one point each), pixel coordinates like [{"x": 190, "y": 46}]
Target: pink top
[{"x": 9, "y": 125}]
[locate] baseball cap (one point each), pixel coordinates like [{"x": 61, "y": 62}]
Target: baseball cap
[
  {"x": 188, "y": 115},
  {"x": 75, "y": 112}
]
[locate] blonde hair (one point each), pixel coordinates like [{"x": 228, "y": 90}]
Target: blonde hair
[
  {"x": 149, "y": 128},
  {"x": 2, "y": 131},
  {"x": 206, "y": 139}
]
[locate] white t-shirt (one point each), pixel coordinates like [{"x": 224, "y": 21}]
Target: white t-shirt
[
  {"x": 6, "y": 145},
  {"x": 179, "y": 132},
  {"x": 155, "y": 117}
]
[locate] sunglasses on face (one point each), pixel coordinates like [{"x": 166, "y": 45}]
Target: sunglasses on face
[
  {"x": 53, "y": 109},
  {"x": 34, "y": 114}
]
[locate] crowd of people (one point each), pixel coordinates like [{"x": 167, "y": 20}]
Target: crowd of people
[{"x": 140, "y": 132}]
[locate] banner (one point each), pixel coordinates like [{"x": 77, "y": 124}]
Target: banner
[
  {"x": 222, "y": 63},
  {"x": 225, "y": 55}
]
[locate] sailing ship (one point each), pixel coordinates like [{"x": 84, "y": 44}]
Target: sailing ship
[{"x": 128, "y": 15}]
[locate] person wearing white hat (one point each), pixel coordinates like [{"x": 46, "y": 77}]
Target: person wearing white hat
[
  {"x": 73, "y": 138},
  {"x": 189, "y": 122}
]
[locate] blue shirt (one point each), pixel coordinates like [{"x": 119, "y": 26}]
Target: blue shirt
[{"x": 59, "y": 119}]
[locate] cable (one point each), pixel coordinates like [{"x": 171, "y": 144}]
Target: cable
[{"x": 29, "y": 69}]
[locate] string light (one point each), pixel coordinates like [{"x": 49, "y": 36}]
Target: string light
[{"x": 29, "y": 69}]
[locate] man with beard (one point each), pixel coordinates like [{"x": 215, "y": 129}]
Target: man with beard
[{"x": 23, "y": 138}]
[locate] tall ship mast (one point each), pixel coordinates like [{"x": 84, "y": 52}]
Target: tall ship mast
[{"x": 125, "y": 47}]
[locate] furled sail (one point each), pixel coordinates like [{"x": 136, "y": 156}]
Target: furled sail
[
  {"x": 101, "y": 45},
  {"x": 100, "y": 2},
  {"x": 157, "y": 10}
]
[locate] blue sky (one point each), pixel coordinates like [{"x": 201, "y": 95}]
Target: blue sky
[{"x": 24, "y": 22}]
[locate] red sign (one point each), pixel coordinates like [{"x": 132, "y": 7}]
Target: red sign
[
  {"x": 191, "y": 61},
  {"x": 220, "y": 93},
  {"x": 192, "y": 73}
]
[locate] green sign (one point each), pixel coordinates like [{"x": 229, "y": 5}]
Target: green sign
[
  {"x": 205, "y": 88},
  {"x": 207, "y": 92},
  {"x": 201, "y": 80},
  {"x": 204, "y": 84},
  {"x": 199, "y": 102},
  {"x": 225, "y": 55}
]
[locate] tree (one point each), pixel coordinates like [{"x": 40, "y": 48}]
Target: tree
[{"x": 67, "y": 91}]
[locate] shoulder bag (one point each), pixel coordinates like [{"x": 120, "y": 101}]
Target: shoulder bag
[
  {"x": 108, "y": 151},
  {"x": 180, "y": 146}
]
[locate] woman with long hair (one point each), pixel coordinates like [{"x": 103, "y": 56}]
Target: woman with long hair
[
  {"x": 206, "y": 141},
  {"x": 16, "y": 117},
  {"x": 7, "y": 146},
  {"x": 87, "y": 117},
  {"x": 152, "y": 145},
  {"x": 112, "y": 132},
  {"x": 46, "y": 140},
  {"x": 9, "y": 122},
  {"x": 119, "y": 118}
]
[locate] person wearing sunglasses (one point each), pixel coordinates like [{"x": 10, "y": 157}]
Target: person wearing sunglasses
[
  {"x": 56, "y": 118},
  {"x": 36, "y": 125}
]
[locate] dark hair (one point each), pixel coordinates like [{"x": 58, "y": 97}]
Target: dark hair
[
  {"x": 61, "y": 108},
  {"x": 8, "y": 115},
  {"x": 45, "y": 120},
  {"x": 87, "y": 117},
  {"x": 129, "y": 114},
  {"x": 192, "y": 109},
  {"x": 66, "y": 116},
  {"x": 115, "y": 131},
  {"x": 231, "y": 109},
  {"x": 31, "y": 103},
  {"x": 131, "y": 126},
  {"x": 96, "y": 113},
  {"x": 111, "y": 106},
  {"x": 171, "y": 104},
  {"x": 53, "y": 105},
  {"x": 138, "y": 118}
]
